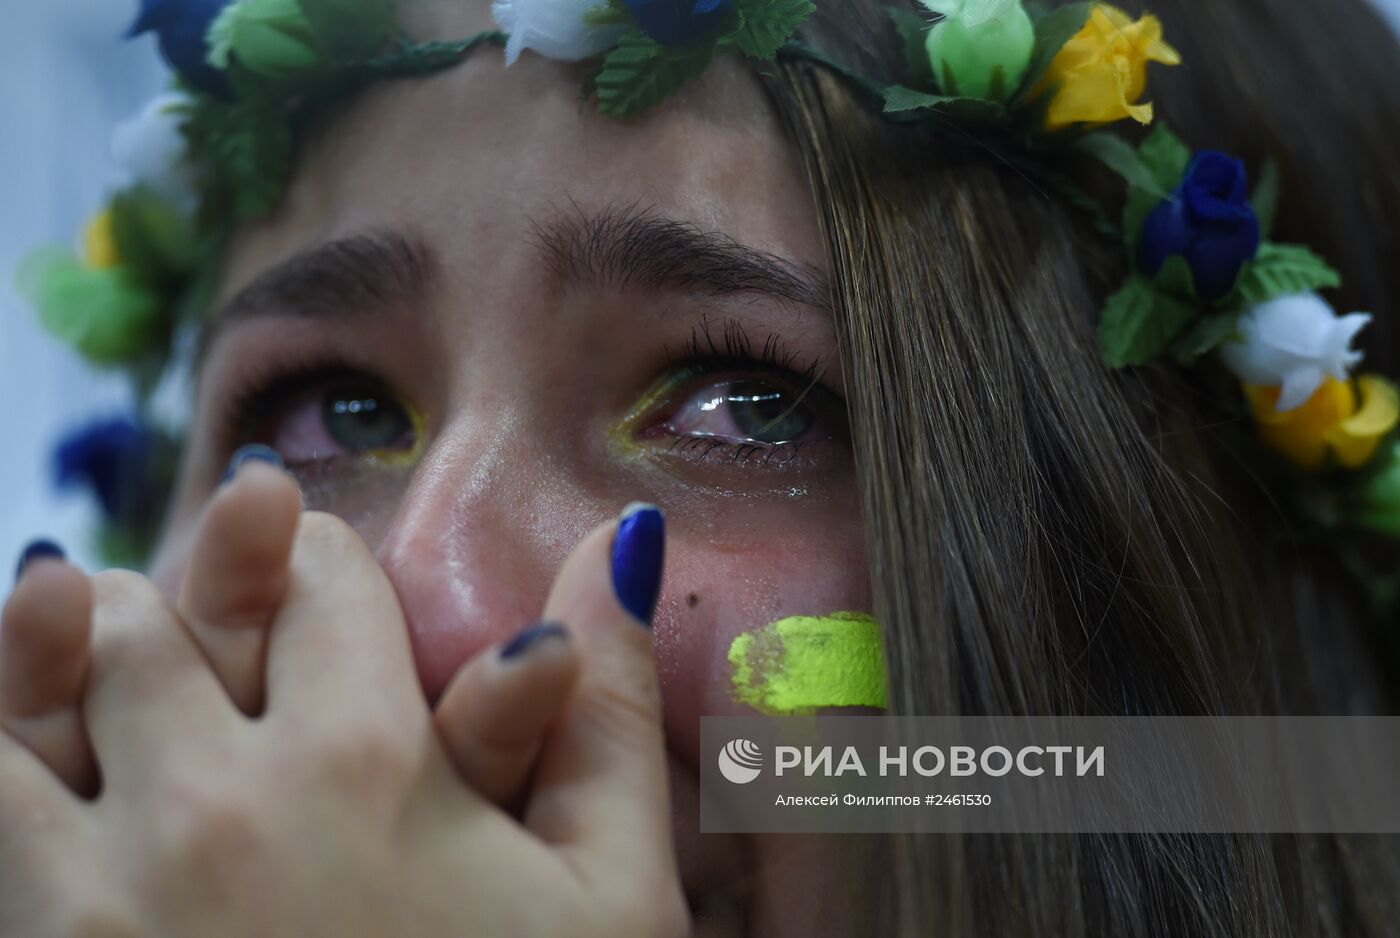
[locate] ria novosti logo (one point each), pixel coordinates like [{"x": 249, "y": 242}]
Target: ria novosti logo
[{"x": 740, "y": 761}]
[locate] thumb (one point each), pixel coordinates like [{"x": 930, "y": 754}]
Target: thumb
[{"x": 601, "y": 788}]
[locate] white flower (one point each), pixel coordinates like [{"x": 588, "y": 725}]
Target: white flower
[
  {"x": 150, "y": 151},
  {"x": 1291, "y": 343},
  {"x": 556, "y": 29}
]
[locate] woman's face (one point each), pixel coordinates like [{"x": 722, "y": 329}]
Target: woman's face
[{"x": 486, "y": 318}]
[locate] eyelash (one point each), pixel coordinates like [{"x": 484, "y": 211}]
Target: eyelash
[
  {"x": 248, "y": 410},
  {"x": 708, "y": 353}
]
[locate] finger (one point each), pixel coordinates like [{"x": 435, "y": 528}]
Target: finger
[
  {"x": 34, "y": 806},
  {"x": 238, "y": 571},
  {"x": 495, "y": 713},
  {"x": 149, "y": 689},
  {"x": 44, "y": 655},
  {"x": 601, "y": 786},
  {"x": 340, "y": 633}
]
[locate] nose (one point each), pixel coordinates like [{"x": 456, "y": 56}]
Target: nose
[{"x": 473, "y": 548}]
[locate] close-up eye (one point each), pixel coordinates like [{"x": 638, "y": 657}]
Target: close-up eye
[
  {"x": 320, "y": 417},
  {"x": 729, "y": 401},
  {"x": 743, "y": 411}
]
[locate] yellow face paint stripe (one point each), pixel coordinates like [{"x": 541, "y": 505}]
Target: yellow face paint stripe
[{"x": 800, "y": 664}]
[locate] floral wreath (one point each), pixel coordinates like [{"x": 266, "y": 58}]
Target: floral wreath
[{"x": 1206, "y": 285}]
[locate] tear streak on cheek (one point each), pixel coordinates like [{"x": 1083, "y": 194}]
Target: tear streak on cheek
[{"x": 800, "y": 664}]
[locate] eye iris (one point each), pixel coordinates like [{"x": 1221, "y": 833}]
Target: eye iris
[
  {"x": 766, "y": 414},
  {"x": 361, "y": 419}
]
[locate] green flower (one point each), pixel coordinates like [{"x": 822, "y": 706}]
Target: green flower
[
  {"x": 103, "y": 312},
  {"x": 982, "y": 48},
  {"x": 271, "y": 38}
]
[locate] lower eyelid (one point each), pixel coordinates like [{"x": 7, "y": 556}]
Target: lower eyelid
[{"x": 709, "y": 450}]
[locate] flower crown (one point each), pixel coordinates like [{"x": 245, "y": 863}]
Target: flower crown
[{"x": 1025, "y": 81}]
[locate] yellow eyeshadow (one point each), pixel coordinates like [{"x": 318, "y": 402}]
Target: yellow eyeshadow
[
  {"x": 623, "y": 433},
  {"x": 403, "y": 459}
]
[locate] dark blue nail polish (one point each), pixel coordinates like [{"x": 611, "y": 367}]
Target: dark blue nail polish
[
  {"x": 530, "y": 637},
  {"x": 254, "y": 452},
  {"x": 638, "y": 554},
  {"x": 38, "y": 550}
]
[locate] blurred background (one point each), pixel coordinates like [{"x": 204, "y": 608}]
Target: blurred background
[{"x": 66, "y": 80}]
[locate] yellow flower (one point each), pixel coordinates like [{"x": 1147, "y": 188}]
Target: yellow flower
[
  {"x": 1332, "y": 421},
  {"x": 1101, "y": 73},
  {"x": 100, "y": 242}
]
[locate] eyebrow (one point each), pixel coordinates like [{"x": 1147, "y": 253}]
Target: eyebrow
[
  {"x": 637, "y": 248},
  {"x": 377, "y": 270},
  {"x": 619, "y": 248}
]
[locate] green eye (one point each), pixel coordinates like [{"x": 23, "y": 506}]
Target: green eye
[
  {"x": 363, "y": 418},
  {"x": 765, "y": 413}
]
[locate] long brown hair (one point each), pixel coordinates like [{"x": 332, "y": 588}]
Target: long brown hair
[{"x": 1048, "y": 537}]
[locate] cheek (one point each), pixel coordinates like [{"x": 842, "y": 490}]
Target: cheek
[{"x": 715, "y": 593}]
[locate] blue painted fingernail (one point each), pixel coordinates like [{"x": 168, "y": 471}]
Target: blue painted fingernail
[
  {"x": 41, "y": 549},
  {"x": 638, "y": 554},
  {"x": 530, "y": 637},
  {"x": 254, "y": 452}
]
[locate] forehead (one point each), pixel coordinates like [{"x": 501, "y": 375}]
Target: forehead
[{"x": 470, "y": 158}]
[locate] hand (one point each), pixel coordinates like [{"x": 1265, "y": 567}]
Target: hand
[{"x": 339, "y": 811}]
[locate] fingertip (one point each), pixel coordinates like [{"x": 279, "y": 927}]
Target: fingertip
[
  {"x": 496, "y": 712},
  {"x": 37, "y": 550},
  {"x": 638, "y": 559},
  {"x": 45, "y": 638},
  {"x": 51, "y": 607},
  {"x": 244, "y": 543},
  {"x": 258, "y": 489},
  {"x": 254, "y": 454},
  {"x": 537, "y": 670},
  {"x": 524, "y": 643}
]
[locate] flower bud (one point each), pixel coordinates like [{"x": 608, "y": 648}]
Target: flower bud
[
  {"x": 1209, "y": 221},
  {"x": 272, "y": 38},
  {"x": 982, "y": 48},
  {"x": 555, "y": 29}
]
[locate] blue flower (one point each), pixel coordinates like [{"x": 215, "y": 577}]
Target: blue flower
[
  {"x": 120, "y": 461},
  {"x": 181, "y": 27},
  {"x": 1207, "y": 220},
  {"x": 677, "y": 22}
]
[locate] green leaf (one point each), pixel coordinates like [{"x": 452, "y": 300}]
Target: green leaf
[
  {"x": 350, "y": 30},
  {"x": 1052, "y": 31},
  {"x": 155, "y": 242},
  {"x": 768, "y": 24},
  {"x": 1166, "y": 156},
  {"x": 640, "y": 73},
  {"x": 737, "y": 24},
  {"x": 1280, "y": 269},
  {"x": 1208, "y": 334},
  {"x": 1138, "y": 206},
  {"x": 1176, "y": 280},
  {"x": 1378, "y": 504},
  {"x": 899, "y": 99},
  {"x": 246, "y": 150},
  {"x": 1265, "y": 198},
  {"x": 611, "y": 13},
  {"x": 913, "y": 29},
  {"x": 1138, "y": 324},
  {"x": 996, "y": 85},
  {"x": 1118, "y": 155}
]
